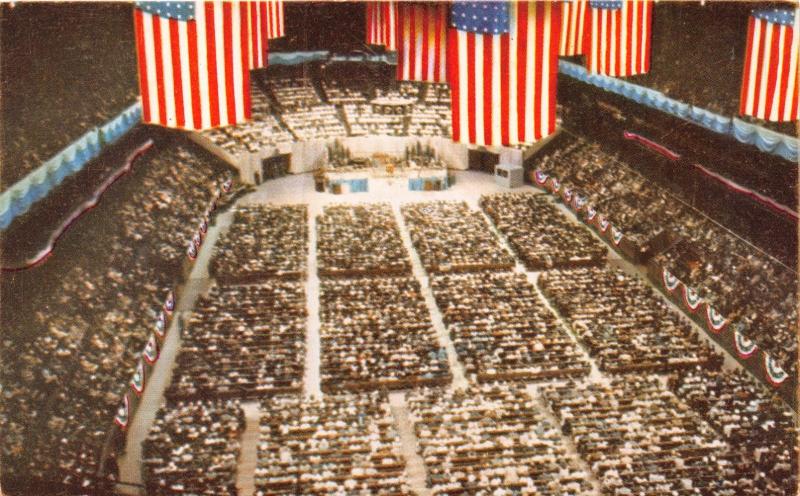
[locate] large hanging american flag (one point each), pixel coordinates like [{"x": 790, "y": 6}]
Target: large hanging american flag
[
  {"x": 617, "y": 40},
  {"x": 574, "y": 17},
  {"x": 422, "y": 42},
  {"x": 275, "y": 25},
  {"x": 502, "y": 66},
  {"x": 193, "y": 60},
  {"x": 382, "y": 24},
  {"x": 769, "y": 80},
  {"x": 259, "y": 20}
]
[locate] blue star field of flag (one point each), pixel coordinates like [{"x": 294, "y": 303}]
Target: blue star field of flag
[
  {"x": 180, "y": 11},
  {"x": 784, "y": 17},
  {"x": 481, "y": 17}
]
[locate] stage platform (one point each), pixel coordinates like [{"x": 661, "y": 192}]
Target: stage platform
[{"x": 380, "y": 181}]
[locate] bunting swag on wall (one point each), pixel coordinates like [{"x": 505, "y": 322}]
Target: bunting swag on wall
[
  {"x": 502, "y": 66},
  {"x": 769, "y": 79},
  {"x": 382, "y": 24},
  {"x": 421, "y": 45},
  {"x": 617, "y": 41},
  {"x": 574, "y": 19},
  {"x": 193, "y": 60}
]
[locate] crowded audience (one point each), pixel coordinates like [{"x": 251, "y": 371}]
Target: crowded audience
[
  {"x": 492, "y": 440},
  {"x": 243, "y": 342},
  {"x": 315, "y": 122},
  {"x": 639, "y": 438},
  {"x": 377, "y": 333},
  {"x": 745, "y": 414},
  {"x": 81, "y": 320},
  {"x": 344, "y": 444},
  {"x": 262, "y": 132},
  {"x": 364, "y": 120},
  {"x": 193, "y": 448},
  {"x": 264, "y": 241},
  {"x": 450, "y": 237},
  {"x": 752, "y": 289},
  {"x": 501, "y": 329},
  {"x": 755, "y": 292},
  {"x": 541, "y": 236},
  {"x": 623, "y": 323},
  {"x": 63, "y": 95},
  {"x": 355, "y": 240},
  {"x": 293, "y": 93}
]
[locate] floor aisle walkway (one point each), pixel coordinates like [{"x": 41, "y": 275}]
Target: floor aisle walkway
[
  {"x": 312, "y": 382},
  {"x": 415, "y": 466},
  {"x": 130, "y": 463},
  {"x": 248, "y": 457}
]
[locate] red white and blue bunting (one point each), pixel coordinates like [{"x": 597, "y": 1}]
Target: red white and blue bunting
[
  {"x": 775, "y": 374},
  {"x": 691, "y": 298},
  {"x": 161, "y": 325},
  {"x": 137, "y": 381},
  {"x": 150, "y": 352},
  {"x": 603, "y": 224},
  {"x": 123, "y": 413},
  {"x": 716, "y": 322},
  {"x": 555, "y": 184},
  {"x": 670, "y": 282},
  {"x": 169, "y": 303},
  {"x": 590, "y": 213},
  {"x": 616, "y": 235},
  {"x": 566, "y": 195},
  {"x": 540, "y": 177},
  {"x": 744, "y": 347},
  {"x": 578, "y": 202}
]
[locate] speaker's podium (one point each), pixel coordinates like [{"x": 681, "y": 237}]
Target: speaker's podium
[{"x": 510, "y": 176}]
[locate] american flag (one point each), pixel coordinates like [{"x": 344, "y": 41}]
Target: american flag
[
  {"x": 422, "y": 43},
  {"x": 259, "y": 19},
  {"x": 502, "y": 66},
  {"x": 617, "y": 40},
  {"x": 382, "y": 24},
  {"x": 769, "y": 80},
  {"x": 573, "y": 23},
  {"x": 275, "y": 25},
  {"x": 193, "y": 60}
]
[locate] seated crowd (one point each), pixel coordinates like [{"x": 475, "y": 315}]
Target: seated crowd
[
  {"x": 639, "y": 438},
  {"x": 753, "y": 291},
  {"x": 264, "y": 241},
  {"x": 541, "y": 236},
  {"x": 355, "y": 240},
  {"x": 451, "y": 237},
  {"x": 243, "y": 342},
  {"x": 292, "y": 93},
  {"x": 492, "y": 440},
  {"x": 319, "y": 121},
  {"x": 262, "y": 132},
  {"x": 624, "y": 324},
  {"x": 745, "y": 414},
  {"x": 377, "y": 333},
  {"x": 193, "y": 448},
  {"x": 343, "y": 444},
  {"x": 501, "y": 329},
  {"x": 73, "y": 347},
  {"x": 746, "y": 285},
  {"x": 364, "y": 120}
]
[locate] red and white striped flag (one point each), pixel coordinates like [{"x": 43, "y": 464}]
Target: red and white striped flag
[
  {"x": 382, "y": 24},
  {"x": 422, "y": 43},
  {"x": 574, "y": 17},
  {"x": 193, "y": 60},
  {"x": 503, "y": 79},
  {"x": 769, "y": 80},
  {"x": 275, "y": 19},
  {"x": 259, "y": 33},
  {"x": 617, "y": 40}
]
